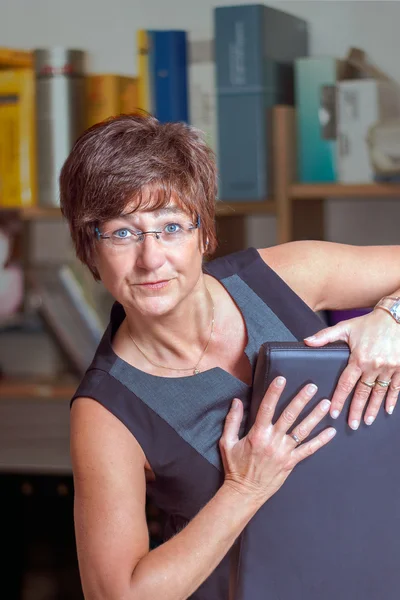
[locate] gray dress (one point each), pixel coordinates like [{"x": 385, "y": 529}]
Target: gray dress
[{"x": 178, "y": 421}]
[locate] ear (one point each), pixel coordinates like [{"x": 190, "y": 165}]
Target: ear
[{"x": 203, "y": 245}]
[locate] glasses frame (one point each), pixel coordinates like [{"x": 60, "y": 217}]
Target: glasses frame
[{"x": 141, "y": 234}]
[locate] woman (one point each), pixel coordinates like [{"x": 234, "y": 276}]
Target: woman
[{"x": 162, "y": 406}]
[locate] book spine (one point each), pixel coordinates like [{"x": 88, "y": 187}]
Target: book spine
[
  {"x": 128, "y": 95},
  {"x": 254, "y": 64},
  {"x": 144, "y": 89},
  {"x": 170, "y": 75},
  {"x": 241, "y": 114},
  {"x": 202, "y": 90},
  {"x": 102, "y": 98},
  {"x": 11, "y": 58},
  {"x": 77, "y": 296},
  {"x": 17, "y": 138}
]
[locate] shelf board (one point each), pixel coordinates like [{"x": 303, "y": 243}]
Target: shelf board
[
  {"x": 32, "y": 213},
  {"x": 223, "y": 209},
  {"x": 41, "y": 212},
  {"x": 226, "y": 208},
  {"x": 342, "y": 190},
  {"x": 21, "y": 388}
]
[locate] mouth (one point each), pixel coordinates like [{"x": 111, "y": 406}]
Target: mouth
[{"x": 154, "y": 285}]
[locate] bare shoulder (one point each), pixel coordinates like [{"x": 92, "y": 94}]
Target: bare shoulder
[
  {"x": 302, "y": 265},
  {"x": 110, "y": 490},
  {"x": 92, "y": 423}
]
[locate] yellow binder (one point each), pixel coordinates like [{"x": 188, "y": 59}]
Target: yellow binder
[{"x": 144, "y": 83}]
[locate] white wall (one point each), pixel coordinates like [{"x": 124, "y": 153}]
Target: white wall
[{"x": 106, "y": 29}]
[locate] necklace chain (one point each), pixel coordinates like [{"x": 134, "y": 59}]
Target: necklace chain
[{"x": 195, "y": 367}]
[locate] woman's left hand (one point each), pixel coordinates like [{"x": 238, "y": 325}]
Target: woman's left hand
[{"x": 374, "y": 341}]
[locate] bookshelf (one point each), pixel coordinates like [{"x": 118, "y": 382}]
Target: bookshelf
[
  {"x": 300, "y": 206},
  {"x": 297, "y": 207},
  {"x": 340, "y": 190}
]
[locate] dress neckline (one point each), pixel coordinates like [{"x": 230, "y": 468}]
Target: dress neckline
[{"x": 112, "y": 328}]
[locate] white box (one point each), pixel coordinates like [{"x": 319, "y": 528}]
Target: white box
[
  {"x": 361, "y": 104},
  {"x": 202, "y": 90}
]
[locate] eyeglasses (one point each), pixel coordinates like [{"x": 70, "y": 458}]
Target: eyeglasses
[{"x": 172, "y": 234}]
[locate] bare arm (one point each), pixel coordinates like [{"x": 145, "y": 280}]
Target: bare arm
[
  {"x": 111, "y": 531},
  {"x": 327, "y": 275},
  {"x": 110, "y": 523}
]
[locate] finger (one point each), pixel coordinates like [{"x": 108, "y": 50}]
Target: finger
[
  {"x": 377, "y": 396},
  {"x": 233, "y": 420},
  {"x": 347, "y": 381},
  {"x": 329, "y": 334},
  {"x": 303, "y": 429},
  {"x": 293, "y": 410},
  {"x": 362, "y": 396},
  {"x": 268, "y": 404},
  {"x": 312, "y": 446},
  {"x": 393, "y": 393}
]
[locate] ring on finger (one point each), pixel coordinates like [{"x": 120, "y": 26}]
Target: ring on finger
[
  {"x": 295, "y": 438},
  {"x": 383, "y": 383},
  {"x": 369, "y": 384}
]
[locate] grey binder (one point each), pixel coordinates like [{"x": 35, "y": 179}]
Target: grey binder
[{"x": 332, "y": 532}]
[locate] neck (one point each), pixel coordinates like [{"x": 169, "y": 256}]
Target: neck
[{"x": 177, "y": 338}]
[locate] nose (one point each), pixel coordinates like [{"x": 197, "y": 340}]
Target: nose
[{"x": 150, "y": 253}]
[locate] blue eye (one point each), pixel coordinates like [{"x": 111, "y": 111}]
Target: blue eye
[
  {"x": 122, "y": 234},
  {"x": 172, "y": 228}
]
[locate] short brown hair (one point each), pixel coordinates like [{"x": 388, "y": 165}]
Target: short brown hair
[{"x": 114, "y": 162}]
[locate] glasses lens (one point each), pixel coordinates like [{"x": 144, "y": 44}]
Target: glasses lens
[
  {"x": 123, "y": 237},
  {"x": 171, "y": 234}
]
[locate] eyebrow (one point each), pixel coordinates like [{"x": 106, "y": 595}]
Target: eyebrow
[{"x": 161, "y": 212}]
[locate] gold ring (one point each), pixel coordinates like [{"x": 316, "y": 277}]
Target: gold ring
[
  {"x": 369, "y": 384},
  {"x": 383, "y": 383}
]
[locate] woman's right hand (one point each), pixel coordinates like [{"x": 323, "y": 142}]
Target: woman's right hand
[{"x": 259, "y": 463}]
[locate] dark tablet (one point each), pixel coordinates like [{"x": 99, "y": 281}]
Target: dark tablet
[{"x": 332, "y": 532}]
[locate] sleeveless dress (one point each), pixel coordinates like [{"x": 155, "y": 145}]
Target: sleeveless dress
[{"x": 178, "y": 421}]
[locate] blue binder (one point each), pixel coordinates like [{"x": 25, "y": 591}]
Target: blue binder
[{"x": 169, "y": 75}]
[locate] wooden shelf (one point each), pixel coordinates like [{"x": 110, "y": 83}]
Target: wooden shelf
[
  {"x": 226, "y": 208},
  {"x": 39, "y": 212},
  {"x": 32, "y": 213},
  {"x": 341, "y": 190},
  {"x": 19, "y": 388},
  {"x": 223, "y": 209}
]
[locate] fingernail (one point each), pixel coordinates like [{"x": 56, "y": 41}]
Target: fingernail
[
  {"x": 310, "y": 339},
  {"x": 331, "y": 432},
  {"x": 370, "y": 420},
  {"x": 335, "y": 414},
  {"x": 235, "y": 404},
  {"x": 354, "y": 424},
  {"x": 390, "y": 410},
  {"x": 325, "y": 405},
  {"x": 280, "y": 381},
  {"x": 311, "y": 388}
]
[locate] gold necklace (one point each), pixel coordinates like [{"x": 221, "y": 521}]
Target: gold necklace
[{"x": 194, "y": 369}]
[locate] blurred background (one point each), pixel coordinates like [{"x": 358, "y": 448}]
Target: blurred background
[{"x": 300, "y": 102}]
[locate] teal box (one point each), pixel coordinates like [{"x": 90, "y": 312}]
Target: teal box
[{"x": 316, "y": 156}]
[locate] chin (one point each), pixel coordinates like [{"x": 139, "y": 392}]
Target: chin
[{"x": 156, "y": 306}]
